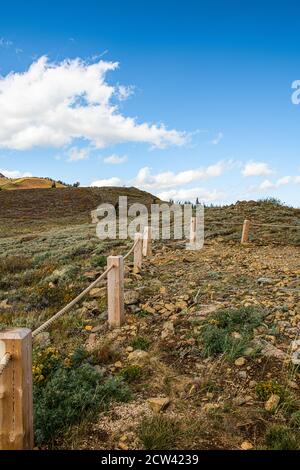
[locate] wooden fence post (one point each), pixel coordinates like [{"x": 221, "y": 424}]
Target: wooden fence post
[
  {"x": 16, "y": 426},
  {"x": 193, "y": 230},
  {"x": 115, "y": 291},
  {"x": 245, "y": 234},
  {"x": 138, "y": 252},
  {"x": 147, "y": 242}
]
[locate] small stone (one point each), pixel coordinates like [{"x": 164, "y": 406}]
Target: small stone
[
  {"x": 97, "y": 292},
  {"x": 118, "y": 365},
  {"x": 168, "y": 330},
  {"x": 264, "y": 281},
  {"x": 246, "y": 445},
  {"x": 4, "y": 305},
  {"x": 123, "y": 446},
  {"x": 158, "y": 404},
  {"x": 138, "y": 357},
  {"x": 240, "y": 361},
  {"x": 131, "y": 297},
  {"x": 272, "y": 403},
  {"x": 129, "y": 349},
  {"x": 242, "y": 374}
]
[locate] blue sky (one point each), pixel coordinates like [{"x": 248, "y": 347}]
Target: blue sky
[{"x": 208, "y": 86}]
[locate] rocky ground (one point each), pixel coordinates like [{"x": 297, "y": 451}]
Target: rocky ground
[{"x": 215, "y": 400}]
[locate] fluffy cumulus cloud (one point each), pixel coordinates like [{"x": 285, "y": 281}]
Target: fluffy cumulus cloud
[
  {"x": 114, "y": 181},
  {"x": 256, "y": 169},
  {"x": 169, "y": 179},
  {"x": 191, "y": 194},
  {"x": 50, "y": 104},
  {"x": 14, "y": 174},
  {"x": 267, "y": 185},
  {"x": 115, "y": 159}
]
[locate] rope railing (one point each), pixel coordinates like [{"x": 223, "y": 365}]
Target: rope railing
[
  {"x": 73, "y": 302},
  {"x": 4, "y": 362},
  {"x": 131, "y": 250}
]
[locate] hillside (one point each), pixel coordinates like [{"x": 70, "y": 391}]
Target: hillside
[
  {"x": 204, "y": 358},
  {"x": 35, "y": 208},
  {"x": 27, "y": 183}
]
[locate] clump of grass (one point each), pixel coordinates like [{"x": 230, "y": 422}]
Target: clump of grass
[
  {"x": 282, "y": 438},
  {"x": 104, "y": 353},
  {"x": 131, "y": 373},
  {"x": 139, "y": 342},
  {"x": 158, "y": 432},
  {"x": 216, "y": 333},
  {"x": 14, "y": 264},
  {"x": 265, "y": 389},
  {"x": 99, "y": 261},
  {"x": 143, "y": 314},
  {"x": 45, "y": 295}
]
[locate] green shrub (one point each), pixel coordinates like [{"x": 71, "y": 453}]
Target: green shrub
[
  {"x": 216, "y": 334},
  {"x": 99, "y": 261},
  {"x": 71, "y": 395},
  {"x": 139, "y": 342},
  {"x": 282, "y": 438},
  {"x": 158, "y": 432},
  {"x": 131, "y": 373}
]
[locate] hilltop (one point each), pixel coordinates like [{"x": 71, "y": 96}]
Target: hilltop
[{"x": 31, "y": 182}]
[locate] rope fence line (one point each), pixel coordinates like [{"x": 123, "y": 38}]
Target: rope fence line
[
  {"x": 131, "y": 250},
  {"x": 73, "y": 302},
  {"x": 4, "y": 362}
]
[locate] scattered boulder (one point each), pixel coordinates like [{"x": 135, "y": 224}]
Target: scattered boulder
[
  {"x": 246, "y": 445},
  {"x": 240, "y": 361},
  {"x": 4, "y": 305},
  {"x": 158, "y": 404},
  {"x": 97, "y": 292},
  {"x": 138, "y": 357},
  {"x": 272, "y": 403},
  {"x": 269, "y": 350},
  {"x": 265, "y": 281},
  {"x": 131, "y": 297}
]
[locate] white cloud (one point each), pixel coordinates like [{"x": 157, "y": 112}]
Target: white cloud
[
  {"x": 256, "y": 169},
  {"x": 124, "y": 92},
  {"x": 75, "y": 154},
  {"x": 114, "y": 181},
  {"x": 15, "y": 174},
  {"x": 53, "y": 104},
  {"x": 267, "y": 185},
  {"x": 169, "y": 179},
  {"x": 217, "y": 139},
  {"x": 191, "y": 194},
  {"x": 115, "y": 159}
]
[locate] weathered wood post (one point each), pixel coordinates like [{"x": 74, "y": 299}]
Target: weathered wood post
[
  {"x": 147, "y": 242},
  {"x": 16, "y": 425},
  {"x": 193, "y": 230},
  {"x": 115, "y": 291},
  {"x": 245, "y": 233},
  {"x": 138, "y": 252}
]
